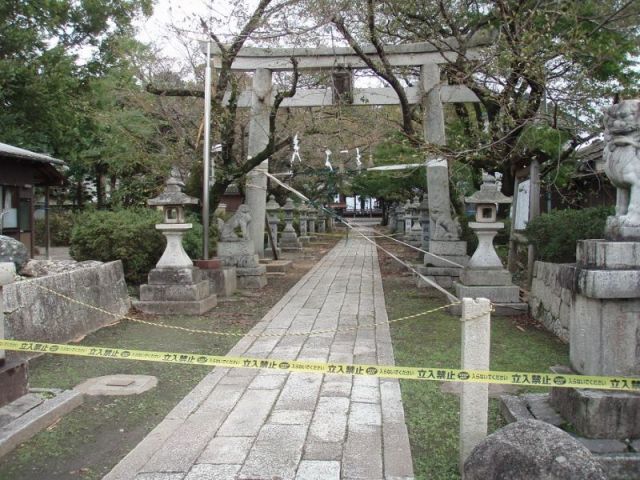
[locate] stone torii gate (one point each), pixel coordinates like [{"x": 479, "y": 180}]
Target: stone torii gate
[{"x": 430, "y": 92}]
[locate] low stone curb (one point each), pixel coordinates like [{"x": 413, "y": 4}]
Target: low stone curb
[{"x": 32, "y": 422}]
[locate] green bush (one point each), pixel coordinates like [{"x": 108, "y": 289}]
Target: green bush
[
  {"x": 60, "y": 225},
  {"x": 128, "y": 235},
  {"x": 555, "y": 234}
]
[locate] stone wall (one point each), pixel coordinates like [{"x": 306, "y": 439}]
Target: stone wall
[
  {"x": 551, "y": 296},
  {"x": 32, "y": 313}
]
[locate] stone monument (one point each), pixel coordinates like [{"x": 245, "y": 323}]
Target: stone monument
[
  {"x": 272, "y": 219},
  {"x": 175, "y": 286},
  {"x": 449, "y": 252},
  {"x": 322, "y": 220},
  {"x": 392, "y": 218},
  {"x": 236, "y": 249},
  {"x": 312, "y": 215},
  {"x": 605, "y": 317},
  {"x": 289, "y": 240},
  {"x": 484, "y": 275},
  {"x": 408, "y": 219}
]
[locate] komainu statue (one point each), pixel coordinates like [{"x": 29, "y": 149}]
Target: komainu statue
[
  {"x": 239, "y": 223},
  {"x": 622, "y": 157}
]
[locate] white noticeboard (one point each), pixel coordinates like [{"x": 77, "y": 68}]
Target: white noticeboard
[{"x": 522, "y": 205}]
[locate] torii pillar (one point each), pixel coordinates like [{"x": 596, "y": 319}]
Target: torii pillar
[
  {"x": 256, "y": 188},
  {"x": 433, "y": 123}
]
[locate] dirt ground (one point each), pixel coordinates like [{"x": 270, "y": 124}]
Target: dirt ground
[{"x": 89, "y": 441}]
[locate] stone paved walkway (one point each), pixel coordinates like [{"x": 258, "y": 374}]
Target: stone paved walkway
[{"x": 265, "y": 424}]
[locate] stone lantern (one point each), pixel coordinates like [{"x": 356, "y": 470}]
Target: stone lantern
[
  {"x": 302, "y": 223},
  {"x": 172, "y": 200},
  {"x": 414, "y": 236},
  {"x": 272, "y": 209},
  {"x": 408, "y": 218},
  {"x": 175, "y": 286},
  {"x": 486, "y": 225},
  {"x": 485, "y": 276},
  {"x": 289, "y": 240},
  {"x": 424, "y": 221}
]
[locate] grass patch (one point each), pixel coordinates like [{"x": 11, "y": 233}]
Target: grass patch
[{"x": 434, "y": 341}]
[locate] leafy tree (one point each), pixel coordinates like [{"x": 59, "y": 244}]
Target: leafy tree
[{"x": 541, "y": 83}]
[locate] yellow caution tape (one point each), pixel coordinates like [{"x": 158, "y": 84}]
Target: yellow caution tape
[{"x": 381, "y": 371}]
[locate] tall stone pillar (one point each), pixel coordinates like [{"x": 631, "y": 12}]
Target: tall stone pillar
[
  {"x": 447, "y": 253},
  {"x": 433, "y": 123},
  {"x": 256, "y": 188}
]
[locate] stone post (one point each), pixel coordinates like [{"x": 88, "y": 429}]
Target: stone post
[
  {"x": 474, "y": 399},
  {"x": 322, "y": 221},
  {"x": 256, "y": 188},
  {"x": 399, "y": 218},
  {"x": 392, "y": 218},
  {"x": 312, "y": 223},
  {"x": 7, "y": 275},
  {"x": 302, "y": 222},
  {"x": 273, "y": 220},
  {"x": 408, "y": 218},
  {"x": 289, "y": 240},
  {"x": 424, "y": 221},
  {"x": 432, "y": 105}
]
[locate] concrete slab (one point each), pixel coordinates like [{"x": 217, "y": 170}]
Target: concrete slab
[{"x": 120, "y": 384}]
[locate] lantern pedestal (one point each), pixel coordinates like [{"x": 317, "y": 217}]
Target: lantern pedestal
[
  {"x": 175, "y": 286},
  {"x": 485, "y": 276}
]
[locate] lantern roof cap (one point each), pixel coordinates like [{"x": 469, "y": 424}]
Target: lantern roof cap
[
  {"x": 488, "y": 193},
  {"x": 172, "y": 195}
]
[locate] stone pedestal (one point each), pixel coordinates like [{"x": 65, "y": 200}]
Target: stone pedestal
[
  {"x": 239, "y": 254},
  {"x": 222, "y": 280},
  {"x": 438, "y": 268},
  {"x": 175, "y": 286},
  {"x": 484, "y": 275},
  {"x": 176, "y": 291},
  {"x": 605, "y": 338}
]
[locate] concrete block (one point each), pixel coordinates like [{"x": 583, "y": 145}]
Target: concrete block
[
  {"x": 329, "y": 420},
  {"x": 599, "y": 414},
  {"x": 363, "y": 454},
  {"x": 596, "y": 445},
  {"x": 14, "y": 378},
  {"x": 276, "y": 453},
  {"x": 609, "y": 284},
  {"x": 229, "y": 450},
  {"x": 602, "y": 254},
  {"x": 497, "y": 294},
  {"x": 222, "y": 281},
  {"x": 514, "y": 409},
  {"x": 620, "y": 466},
  {"x": 249, "y": 414},
  {"x": 208, "y": 472},
  {"x": 180, "y": 292},
  {"x": 397, "y": 451},
  {"x": 174, "y": 276},
  {"x": 318, "y": 470},
  {"x": 603, "y": 336},
  {"x": 488, "y": 277},
  {"x": 194, "y": 307},
  {"x": 322, "y": 450},
  {"x": 443, "y": 247}
]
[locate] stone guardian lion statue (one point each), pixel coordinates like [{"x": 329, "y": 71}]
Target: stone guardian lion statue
[{"x": 622, "y": 166}]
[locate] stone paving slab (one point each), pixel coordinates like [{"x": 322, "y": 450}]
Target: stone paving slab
[{"x": 263, "y": 424}]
